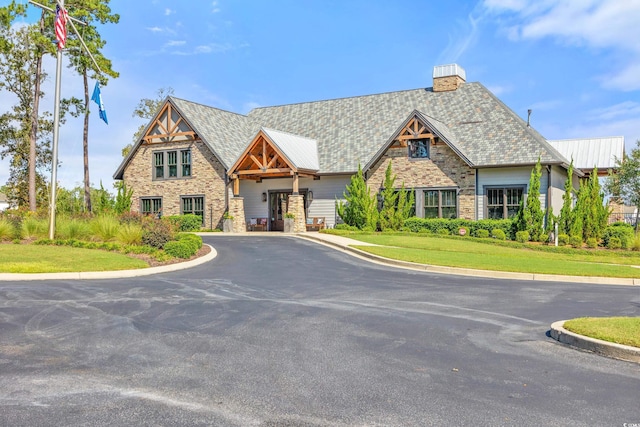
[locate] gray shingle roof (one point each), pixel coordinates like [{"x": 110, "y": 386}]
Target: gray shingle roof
[{"x": 352, "y": 131}]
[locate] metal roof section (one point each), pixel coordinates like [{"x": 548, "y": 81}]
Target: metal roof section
[
  {"x": 300, "y": 151},
  {"x": 588, "y": 153}
]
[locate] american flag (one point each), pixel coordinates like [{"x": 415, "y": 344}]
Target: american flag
[{"x": 61, "y": 26}]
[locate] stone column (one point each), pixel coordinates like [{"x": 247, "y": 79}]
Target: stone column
[
  {"x": 236, "y": 210},
  {"x": 296, "y": 207}
]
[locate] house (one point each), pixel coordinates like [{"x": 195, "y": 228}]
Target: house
[{"x": 461, "y": 150}]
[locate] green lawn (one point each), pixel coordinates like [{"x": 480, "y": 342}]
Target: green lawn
[
  {"x": 621, "y": 330},
  {"x": 57, "y": 259},
  {"x": 483, "y": 255}
]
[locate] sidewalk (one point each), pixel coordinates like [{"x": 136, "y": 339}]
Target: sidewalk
[{"x": 346, "y": 244}]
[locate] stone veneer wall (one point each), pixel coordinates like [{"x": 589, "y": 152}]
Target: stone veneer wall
[
  {"x": 445, "y": 84},
  {"x": 444, "y": 169},
  {"x": 207, "y": 179},
  {"x": 236, "y": 210},
  {"x": 296, "y": 207}
]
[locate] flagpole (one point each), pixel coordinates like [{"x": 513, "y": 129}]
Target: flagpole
[{"x": 56, "y": 135}]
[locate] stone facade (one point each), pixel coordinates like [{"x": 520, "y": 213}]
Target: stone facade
[
  {"x": 448, "y": 83},
  {"x": 444, "y": 169},
  {"x": 207, "y": 180},
  {"x": 236, "y": 210},
  {"x": 296, "y": 207}
]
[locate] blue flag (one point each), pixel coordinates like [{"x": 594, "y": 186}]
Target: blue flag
[{"x": 97, "y": 98}]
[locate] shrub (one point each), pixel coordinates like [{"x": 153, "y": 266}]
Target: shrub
[
  {"x": 73, "y": 229},
  {"x": 482, "y": 233},
  {"x": 614, "y": 243},
  {"x": 444, "y": 232},
  {"x": 635, "y": 245},
  {"x": 157, "y": 233},
  {"x": 499, "y": 234},
  {"x": 563, "y": 239},
  {"x": 131, "y": 218},
  {"x": 104, "y": 228},
  {"x": 592, "y": 242},
  {"x": 6, "y": 230},
  {"x": 575, "y": 241},
  {"x": 190, "y": 236},
  {"x": 433, "y": 225},
  {"x": 621, "y": 231},
  {"x": 33, "y": 228},
  {"x": 346, "y": 227},
  {"x": 180, "y": 248},
  {"x": 188, "y": 222},
  {"x": 130, "y": 234},
  {"x": 522, "y": 236}
]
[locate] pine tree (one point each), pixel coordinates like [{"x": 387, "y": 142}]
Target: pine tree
[
  {"x": 530, "y": 216},
  {"x": 389, "y": 201},
  {"x": 360, "y": 209},
  {"x": 566, "y": 213}
]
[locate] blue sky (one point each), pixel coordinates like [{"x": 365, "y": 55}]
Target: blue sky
[{"x": 575, "y": 63}]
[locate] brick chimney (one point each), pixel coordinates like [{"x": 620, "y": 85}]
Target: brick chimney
[{"x": 448, "y": 77}]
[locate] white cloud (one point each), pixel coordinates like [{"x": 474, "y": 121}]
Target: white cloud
[
  {"x": 551, "y": 104},
  {"x": 155, "y": 29},
  {"x": 215, "y": 7},
  {"x": 172, "y": 43},
  {"x": 464, "y": 37},
  {"x": 611, "y": 25},
  {"x": 627, "y": 109},
  {"x": 499, "y": 90},
  {"x": 168, "y": 12}
]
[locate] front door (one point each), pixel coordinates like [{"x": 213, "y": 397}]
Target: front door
[{"x": 278, "y": 206}]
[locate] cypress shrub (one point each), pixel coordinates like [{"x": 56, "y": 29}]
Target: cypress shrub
[{"x": 498, "y": 233}]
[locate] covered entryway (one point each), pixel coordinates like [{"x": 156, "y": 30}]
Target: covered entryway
[{"x": 275, "y": 154}]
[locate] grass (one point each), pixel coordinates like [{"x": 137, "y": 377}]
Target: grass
[
  {"x": 621, "y": 330},
  {"x": 487, "y": 255},
  {"x": 52, "y": 259}
]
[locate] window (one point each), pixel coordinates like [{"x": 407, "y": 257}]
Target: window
[
  {"x": 186, "y": 162},
  {"x": 171, "y": 168},
  {"x": 503, "y": 203},
  {"x": 440, "y": 204},
  {"x": 159, "y": 164},
  {"x": 419, "y": 148},
  {"x": 193, "y": 205},
  {"x": 151, "y": 206}
]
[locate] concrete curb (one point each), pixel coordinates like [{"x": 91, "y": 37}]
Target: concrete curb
[
  {"x": 604, "y": 348},
  {"x": 472, "y": 272},
  {"x": 117, "y": 274}
]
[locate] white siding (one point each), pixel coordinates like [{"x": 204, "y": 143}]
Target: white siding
[
  {"x": 516, "y": 176},
  {"x": 325, "y": 192},
  {"x": 558, "y": 178}
]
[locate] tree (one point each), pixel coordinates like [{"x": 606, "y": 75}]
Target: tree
[
  {"x": 89, "y": 11},
  {"x": 389, "y": 200},
  {"x": 124, "y": 198},
  {"x": 566, "y": 215},
  {"x": 360, "y": 209},
  {"x": 530, "y": 215},
  {"x": 19, "y": 70},
  {"x": 146, "y": 109},
  {"x": 596, "y": 213},
  {"x": 406, "y": 200},
  {"x": 624, "y": 183}
]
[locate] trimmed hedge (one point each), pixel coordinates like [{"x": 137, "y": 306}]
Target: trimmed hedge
[
  {"x": 434, "y": 225},
  {"x": 187, "y": 222},
  {"x": 522, "y": 236},
  {"x": 620, "y": 230},
  {"x": 181, "y": 248},
  {"x": 190, "y": 237}
]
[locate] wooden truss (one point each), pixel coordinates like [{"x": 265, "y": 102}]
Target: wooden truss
[
  {"x": 414, "y": 129},
  {"x": 169, "y": 126}
]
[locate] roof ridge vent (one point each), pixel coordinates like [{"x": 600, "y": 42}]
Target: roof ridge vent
[{"x": 448, "y": 77}]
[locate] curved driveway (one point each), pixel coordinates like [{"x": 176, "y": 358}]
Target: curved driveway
[{"x": 281, "y": 331}]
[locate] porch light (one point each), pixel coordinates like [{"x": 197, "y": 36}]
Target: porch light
[
  {"x": 264, "y": 197},
  {"x": 310, "y": 196}
]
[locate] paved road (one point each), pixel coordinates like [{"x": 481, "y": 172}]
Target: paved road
[{"x": 278, "y": 331}]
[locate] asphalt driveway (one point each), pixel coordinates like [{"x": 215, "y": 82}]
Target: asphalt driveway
[{"x": 280, "y": 331}]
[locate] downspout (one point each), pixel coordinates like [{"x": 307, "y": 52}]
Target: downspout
[{"x": 476, "y": 195}]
